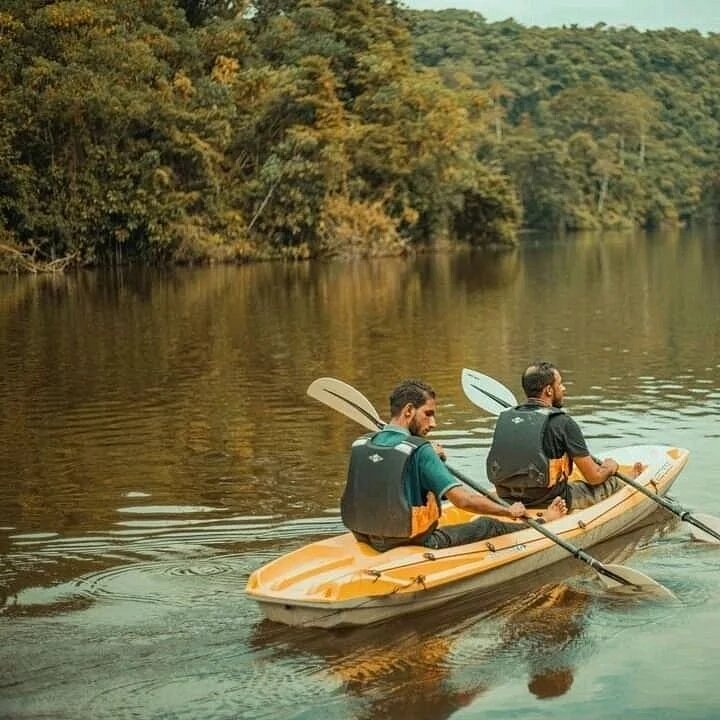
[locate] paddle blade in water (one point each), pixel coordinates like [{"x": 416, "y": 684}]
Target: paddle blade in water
[
  {"x": 710, "y": 522},
  {"x": 640, "y": 584}
]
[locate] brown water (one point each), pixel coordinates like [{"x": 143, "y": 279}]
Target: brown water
[{"x": 157, "y": 445}]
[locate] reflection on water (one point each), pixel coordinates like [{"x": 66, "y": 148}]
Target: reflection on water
[
  {"x": 158, "y": 446},
  {"x": 429, "y": 666}
]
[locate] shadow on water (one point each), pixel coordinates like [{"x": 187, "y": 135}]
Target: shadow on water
[{"x": 429, "y": 665}]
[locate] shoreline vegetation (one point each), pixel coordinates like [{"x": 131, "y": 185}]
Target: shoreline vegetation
[{"x": 195, "y": 131}]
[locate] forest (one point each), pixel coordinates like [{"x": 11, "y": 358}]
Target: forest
[{"x": 184, "y": 131}]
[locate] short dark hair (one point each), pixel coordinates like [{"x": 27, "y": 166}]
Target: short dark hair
[
  {"x": 415, "y": 392},
  {"x": 536, "y": 377}
]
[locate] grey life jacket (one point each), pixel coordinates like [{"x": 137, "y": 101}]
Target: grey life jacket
[
  {"x": 517, "y": 464},
  {"x": 374, "y": 501}
]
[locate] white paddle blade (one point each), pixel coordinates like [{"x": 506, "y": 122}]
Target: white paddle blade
[
  {"x": 486, "y": 392},
  {"x": 347, "y": 400},
  {"x": 640, "y": 583},
  {"x": 712, "y": 523}
]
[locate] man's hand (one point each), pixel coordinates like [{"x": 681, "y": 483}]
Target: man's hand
[
  {"x": 610, "y": 465},
  {"x": 517, "y": 510}
]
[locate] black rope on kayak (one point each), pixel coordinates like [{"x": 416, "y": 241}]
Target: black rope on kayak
[
  {"x": 459, "y": 554},
  {"x": 420, "y": 579},
  {"x": 284, "y": 629},
  {"x": 377, "y": 574},
  {"x": 287, "y": 629}
]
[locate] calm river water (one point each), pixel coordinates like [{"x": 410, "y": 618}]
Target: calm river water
[{"x": 157, "y": 445}]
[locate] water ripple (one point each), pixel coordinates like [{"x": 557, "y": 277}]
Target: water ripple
[
  {"x": 134, "y": 560},
  {"x": 148, "y": 583}
]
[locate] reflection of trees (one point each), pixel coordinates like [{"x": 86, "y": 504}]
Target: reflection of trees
[
  {"x": 190, "y": 385},
  {"x": 601, "y": 278},
  {"x": 195, "y": 370},
  {"x": 429, "y": 665},
  {"x": 485, "y": 270}
]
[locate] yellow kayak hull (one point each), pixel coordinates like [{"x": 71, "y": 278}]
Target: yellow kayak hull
[{"x": 339, "y": 581}]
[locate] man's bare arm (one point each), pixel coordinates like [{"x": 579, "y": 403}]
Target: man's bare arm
[{"x": 473, "y": 501}]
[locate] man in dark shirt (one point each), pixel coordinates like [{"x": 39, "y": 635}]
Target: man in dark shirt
[
  {"x": 397, "y": 482},
  {"x": 536, "y": 444}
]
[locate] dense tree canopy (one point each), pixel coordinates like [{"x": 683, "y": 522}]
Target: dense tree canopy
[
  {"x": 596, "y": 126},
  {"x": 211, "y": 129}
]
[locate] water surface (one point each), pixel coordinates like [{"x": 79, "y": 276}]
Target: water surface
[{"x": 157, "y": 445}]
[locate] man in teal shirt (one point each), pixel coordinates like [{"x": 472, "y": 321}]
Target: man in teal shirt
[{"x": 397, "y": 481}]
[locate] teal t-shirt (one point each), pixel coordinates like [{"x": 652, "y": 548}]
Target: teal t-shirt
[{"x": 424, "y": 471}]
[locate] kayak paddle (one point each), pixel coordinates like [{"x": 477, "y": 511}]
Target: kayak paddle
[
  {"x": 353, "y": 404},
  {"x": 491, "y": 395}
]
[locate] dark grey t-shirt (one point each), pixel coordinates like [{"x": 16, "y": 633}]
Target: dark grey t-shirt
[{"x": 563, "y": 435}]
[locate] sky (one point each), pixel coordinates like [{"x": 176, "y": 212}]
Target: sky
[{"x": 703, "y": 15}]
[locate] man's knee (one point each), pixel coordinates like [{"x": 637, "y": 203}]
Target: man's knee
[{"x": 583, "y": 495}]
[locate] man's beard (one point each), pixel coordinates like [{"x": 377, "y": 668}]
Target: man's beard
[{"x": 414, "y": 428}]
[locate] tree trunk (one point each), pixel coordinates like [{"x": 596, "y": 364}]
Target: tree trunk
[
  {"x": 642, "y": 148},
  {"x": 603, "y": 193}
]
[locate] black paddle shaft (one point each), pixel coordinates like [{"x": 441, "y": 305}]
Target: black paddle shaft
[
  {"x": 574, "y": 551},
  {"x": 577, "y": 552},
  {"x": 680, "y": 512}
]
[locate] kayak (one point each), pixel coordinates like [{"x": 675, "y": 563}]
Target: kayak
[{"x": 339, "y": 581}]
